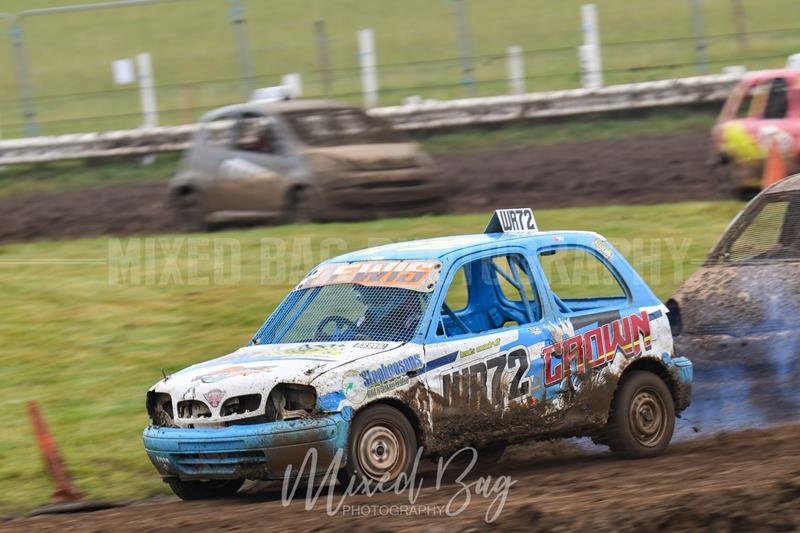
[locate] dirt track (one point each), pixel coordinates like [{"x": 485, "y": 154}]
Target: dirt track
[
  {"x": 746, "y": 481},
  {"x": 638, "y": 170}
]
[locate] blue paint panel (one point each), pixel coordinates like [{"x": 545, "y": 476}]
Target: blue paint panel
[
  {"x": 685, "y": 369},
  {"x": 330, "y": 402},
  {"x": 440, "y": 361}
]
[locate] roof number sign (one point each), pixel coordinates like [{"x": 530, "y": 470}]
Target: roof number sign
[{"x": 512, "y": 221}]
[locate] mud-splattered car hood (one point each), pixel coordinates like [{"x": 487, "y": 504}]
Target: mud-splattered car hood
[
  {"x": 257, "y": 369},
  {"x": 741, "y": 299}
]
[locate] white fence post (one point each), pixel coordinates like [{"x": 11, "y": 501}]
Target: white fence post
[
  {"x": 516, "y": 70},
  {"x": 590, "y": 54},
  {"x": 147, "y": 91},
  {"x": 369, "y": 74},
  {"x": 294, "y": 83}
]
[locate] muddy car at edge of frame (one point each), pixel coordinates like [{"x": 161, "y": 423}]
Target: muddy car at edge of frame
[
  {"x": 745, "y": 298},
  {"x": 299, "y": 161}
]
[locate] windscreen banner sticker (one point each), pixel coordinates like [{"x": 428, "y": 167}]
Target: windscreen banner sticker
[{"x": 420, "y": 276}]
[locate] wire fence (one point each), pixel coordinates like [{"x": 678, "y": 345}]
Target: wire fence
[{"x": 76, "y": 94}]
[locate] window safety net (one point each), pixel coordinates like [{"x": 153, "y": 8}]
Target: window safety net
[
  {"x": 345, "y": 312},
  {"x": 771, "y": 232}
]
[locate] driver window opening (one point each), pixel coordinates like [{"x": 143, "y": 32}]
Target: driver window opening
[
  {"x": 767, "y": 99},
  {"x": 253, "y": 133},
  {"x": 580, "y": 281},
  {"x": 487, "y": 294},
  {"x": 777, "y": 102}
]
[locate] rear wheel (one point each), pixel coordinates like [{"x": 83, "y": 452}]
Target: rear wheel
[
  {"x": 188, "y": 210},
  {"x": 204, "y": 490},
  {"x": 642, "y": 416},
  {"x": 382, "y": 445}
]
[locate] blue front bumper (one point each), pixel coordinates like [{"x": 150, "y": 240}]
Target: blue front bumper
[
  {"x": 257, "y": 451},
  {"x": 683, "y": 375}
]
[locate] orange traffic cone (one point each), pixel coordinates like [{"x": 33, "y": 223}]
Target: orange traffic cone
[
  {"x": 65, "y": 490},
  {"x": 774, "y": 166}
]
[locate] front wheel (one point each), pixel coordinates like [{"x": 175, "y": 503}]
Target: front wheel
[
  {"x": 204, "y": 490},
  {"x": 299, "y": 207},
  {"x": 382, "y": 445},
  {"x": 642, "y": 416}
]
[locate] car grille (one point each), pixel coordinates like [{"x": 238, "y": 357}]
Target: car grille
[{"x": 204, "y": 462}]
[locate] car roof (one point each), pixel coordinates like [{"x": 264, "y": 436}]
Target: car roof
[
  {"x": 763, "y": 75},
  {"x": 792, "y": 183},
  {"x": 278, "y": 107},
  {"x": 443, "y": 248}
]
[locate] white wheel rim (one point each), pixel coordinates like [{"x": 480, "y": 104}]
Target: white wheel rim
[{"x": 381, "y": 451}]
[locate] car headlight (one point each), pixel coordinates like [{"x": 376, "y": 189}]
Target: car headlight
[
  {"x": 289, "y": 401},
  {"x": 159, "y": 408}
]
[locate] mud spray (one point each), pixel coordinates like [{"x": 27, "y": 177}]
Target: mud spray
[{"x": 751, "y": 377}]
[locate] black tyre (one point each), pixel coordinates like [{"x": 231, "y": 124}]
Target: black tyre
[
  {"x": 642, "y": 416},
  {"x": 382, "y": 445},
  {"x": 188, "y": 211},
  {"x": 204, "y": 490},
  {"x": 299, "y": 207}
]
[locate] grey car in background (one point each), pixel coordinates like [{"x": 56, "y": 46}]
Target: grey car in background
[{"x": 298, "y": 161}]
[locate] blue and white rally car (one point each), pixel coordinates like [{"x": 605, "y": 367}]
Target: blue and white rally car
[{"x": 477, "y": 340}]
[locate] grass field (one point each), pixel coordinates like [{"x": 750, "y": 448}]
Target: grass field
[
  {"x": 21, "y": 180},
  {"x": 196, "y": 64},
  {"x": 86, "y": 333}
]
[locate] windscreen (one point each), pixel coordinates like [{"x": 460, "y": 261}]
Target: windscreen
[
  {"x": 336, "y": 127},
  {"x": 345, "y": 312}
]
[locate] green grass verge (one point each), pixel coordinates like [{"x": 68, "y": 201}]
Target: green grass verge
[
  {"x": 52, "y": 178},
  {"x": 86, "y": 337},
  {"x": 572, "y": 129},
  {"x": 197, "y": 66}
]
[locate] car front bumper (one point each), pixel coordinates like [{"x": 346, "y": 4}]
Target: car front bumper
[
  {"x": 683, "y": 373},
  {"x": 256, "y": 451},
  {"x": 356, "y": 195}
]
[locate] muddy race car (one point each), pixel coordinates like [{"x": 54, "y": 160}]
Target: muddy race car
[
  {"x": 738, "y": 315},
  {"x": 300, "y": 160},
  {"x": 761, "y": 114},
  {"x": 746, "y": 296},
  {"x": 377, "y": 355}
]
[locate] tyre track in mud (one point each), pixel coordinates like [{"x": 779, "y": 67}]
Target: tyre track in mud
[
  {"x": 746, "y": 481},
  {"x": 641, "y": 170}
]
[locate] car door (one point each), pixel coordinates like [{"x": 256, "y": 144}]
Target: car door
[
  {"x": 596, "y": 310},
  {"x": 487, "y": 332},
  {"x": 253, "y": 173}
]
